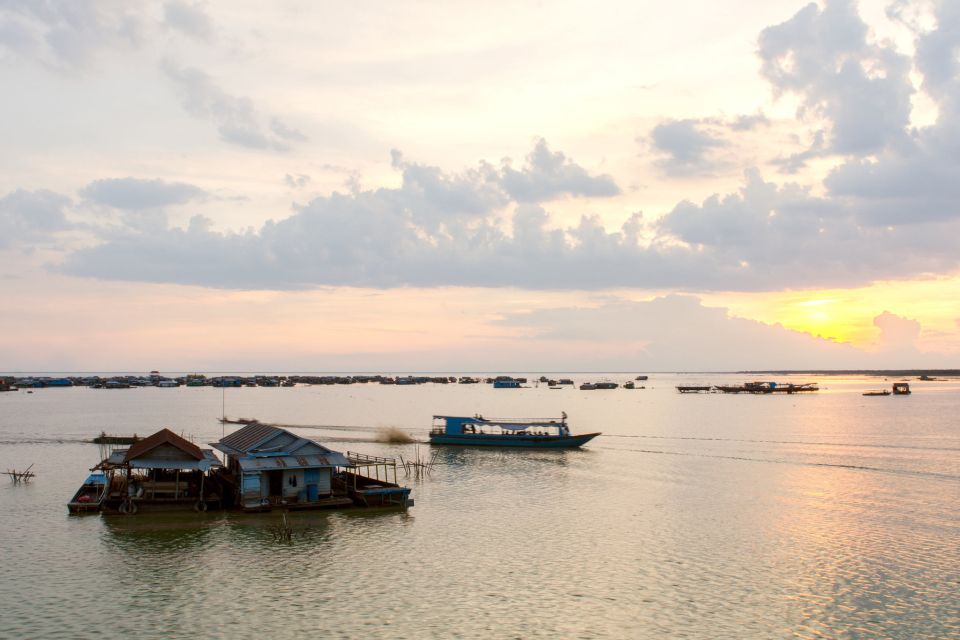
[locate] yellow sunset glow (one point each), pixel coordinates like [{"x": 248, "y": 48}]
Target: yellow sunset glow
[{"x": 846, "y": 315}]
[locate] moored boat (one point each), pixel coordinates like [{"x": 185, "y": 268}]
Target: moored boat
[
  {"x": 877, "y": 392},
  {"x": 89, "y": 497},
  {"x": 477, "y": 430}
]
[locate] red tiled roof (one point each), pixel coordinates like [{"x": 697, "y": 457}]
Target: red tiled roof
[{"x": 164, "y": 436}]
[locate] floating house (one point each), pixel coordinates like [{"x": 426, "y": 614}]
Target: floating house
[
  {"x": 276, "y": 468},
  {"x": 163, "y": 471}
]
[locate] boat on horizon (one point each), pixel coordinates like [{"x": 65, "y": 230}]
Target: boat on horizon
[{"x": 477, "y": 430}]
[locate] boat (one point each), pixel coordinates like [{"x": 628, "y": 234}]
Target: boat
[
  {"x": 89, "y": 497},
  {"x": 877, "y": 392},
  {"x": 105, "y": 438},
  {"x": 901, "y": 389},
  {"x": 694, "y": 389},
  {"x": 477, "y": 430}
]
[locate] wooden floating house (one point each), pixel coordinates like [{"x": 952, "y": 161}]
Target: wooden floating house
[
  {"x": 274, "y": 468},
  {"x": 267, "y": 467},
  {"x": 161, "y": 472}
]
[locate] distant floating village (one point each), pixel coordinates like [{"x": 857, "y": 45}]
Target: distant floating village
[{"x": 154, "y": 379}]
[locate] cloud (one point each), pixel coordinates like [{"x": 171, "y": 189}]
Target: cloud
[
  {"x": 749, "y": 122},
  {"x": 29, "y": 217},
  {"x": 916, "y": 182},
  {"x": 547, "y": 175},
  {"x": 861, "y": 89},
  {"x": 296, "y": 181},
  {"x": 66, "y": 35},
  {"x": 190, "y": 19},
  {"x": 679, "y": 333},
  {"x": 686, "y": 145},
  {"x": 237, "y": 119},
  {"x": 462, "y": 229},
  {"x": 896, "y": 331},
  {"x": 136, "y": 194},
  {"x": 286, "y": 133}
]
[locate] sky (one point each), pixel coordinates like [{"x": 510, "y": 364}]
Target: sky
[{"x": 462, "y": 186}]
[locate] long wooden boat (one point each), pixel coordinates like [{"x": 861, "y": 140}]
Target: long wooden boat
[
  {"x": 877, "y": 392},
  {"x": 90, "y": 496},
  {"x": 480, "y": 431}
]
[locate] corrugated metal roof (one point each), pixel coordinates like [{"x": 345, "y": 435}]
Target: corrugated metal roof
[
  {"x": 164, "y": 436},
  {"x": 247, "y": 437},
  {"x": 209, "y": 461},
  {"x": 119, "y": 459},
  {"x": 267, "y": 463}
]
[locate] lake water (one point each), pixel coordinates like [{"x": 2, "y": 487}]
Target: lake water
[{"x": 701, "y": 516}]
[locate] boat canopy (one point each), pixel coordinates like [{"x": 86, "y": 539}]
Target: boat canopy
[
  {"x": 97, "y": 477},
  {"x": 455, "y": 424}
]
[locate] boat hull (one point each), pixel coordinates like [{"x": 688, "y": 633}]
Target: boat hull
[{"x": 495, "y": 440}]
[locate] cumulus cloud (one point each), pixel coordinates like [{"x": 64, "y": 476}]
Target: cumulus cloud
[
  {"x": 860, "y": 88},
  {"x": 237, "y": 119},
  {"x": 440, "y": 228},
  {"x": 190, "y": 19},
  {"x": 686, "y": 146},
  {"x": 547, "y": 175},
  {"x": 135, "y": 193},
  {"x": 917, "y": 182},
  {"x": 31, "y": 217},
  {"x": 66, "y": 35}
]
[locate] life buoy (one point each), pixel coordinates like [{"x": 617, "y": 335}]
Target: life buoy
[
  {"x": 123, "y": 507},
  {"x": 128, "y": 508},
  {"x": 200, "y": 506}
]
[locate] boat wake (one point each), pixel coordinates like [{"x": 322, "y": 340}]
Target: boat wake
[
  {"x": 801, "y": 442},
  {"x": 838, "y": 465}
]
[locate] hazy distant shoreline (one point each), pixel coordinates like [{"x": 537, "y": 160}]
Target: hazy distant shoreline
[{"x": 819, "y": 372}]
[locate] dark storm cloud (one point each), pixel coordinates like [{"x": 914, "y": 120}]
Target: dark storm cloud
[{"x": 134, "y": 193}]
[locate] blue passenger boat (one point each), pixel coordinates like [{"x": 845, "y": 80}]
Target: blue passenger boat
[{"x": 459, "y": 430}]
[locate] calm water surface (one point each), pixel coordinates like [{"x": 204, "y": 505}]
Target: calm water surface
[{"x": 702, "y": 516}]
